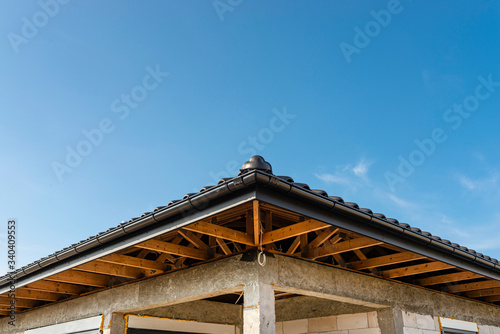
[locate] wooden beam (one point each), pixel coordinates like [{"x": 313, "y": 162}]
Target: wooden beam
[
  {"x": 483, "y": 293},
  {"x": 193, "y": 239},
  {"x": 449, "y": 278},
  {"x": 294, "y": 230},
  {"x": 268, "y": 226},
  {"x": 172, "y": 259},
  {"x": 21, "y": 303},
  {"x": 323, "y": 236},
  {"x": 164, "y": 256},
  {"x": 143, "y": 253},
  {"x": 344, "y": 246},
  {"x": 81, "y": 278},
  {"x": 23, "y": 293},
  {"x": 416, "y": 269},
  {"x": 237, "y": 247},
  {"x": 4, "y": 309},
  {"x": 268, "y": 221},
  {"x": 166, "y": 247},
  {"x": 223, "y": 246},
  {"x": 474, "y": 286},
  {"x": 363, "y": 257},
  {"x": 249, "y": 228},
  {"x": 221, "y": 232},
  {"x": 293, "y": 247},
  {"x": 492, "y": 299},
  {"x": 385, "y": 260},
  {"x": 134, "y": 262},
  {"x": 256, "y": 223},
  {"x": 56, "y": 287},
  {"x": 340, "y": 260},
  {"x": 109, "y": 269}
]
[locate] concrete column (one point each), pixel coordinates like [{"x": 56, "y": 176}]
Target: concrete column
[
  {"x": 117, "y": 324},
  {"x": 258, "y": 309},
  {"x": 390, "y": 320}
]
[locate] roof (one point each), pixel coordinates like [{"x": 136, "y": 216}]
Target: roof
[{"x": 292, "y": 203}]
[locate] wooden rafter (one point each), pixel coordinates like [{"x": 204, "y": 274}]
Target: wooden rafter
[
  {"x": 323, "y": 236},
  {"x": 385, "y": 260},
  {"x": 340, "y": 260},
  {"x": 483, "y": 293},
  {"x": 359, "y": 253},
  {"x": 57, "y": 287},
  {"x": 416, "y": 269},
  {"x": 492, "y": 299},
  {"x": 134, "y": 262},
  {"x": 192, "y": 238},
  {"x": 77, "y": 277},
  {"x": 170, "y": 248},
  {"x": 143, "y": 253},
  {"x": 449, "y": 278},
  {"x": 20, "y": 303},
  {"x": 223, "y": 246},
  {"x": 344, "y": 246},
  {"x": 294, "y": 230},
  {"x": 37, "y": 295},
  {"x": 474, "y": 286},
  {"x": 293, "y": 247},
  {"x": 110, "y": 269},
  {"x": 221, "y": 232}
]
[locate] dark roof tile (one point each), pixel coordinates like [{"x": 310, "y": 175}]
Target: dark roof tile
[
  {"x": 286, "y": 178},
  {"x": 320, "y": 192},
  {"x": 302, "y": 185},
  {"x": 336, "y": 199}
]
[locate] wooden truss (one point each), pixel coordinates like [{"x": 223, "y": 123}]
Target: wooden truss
[{"x": 251, "y": 226}]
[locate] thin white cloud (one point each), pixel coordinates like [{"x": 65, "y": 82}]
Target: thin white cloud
[
  {"x": 353, "y": 175},
  {"x": 466, "y": 182},
  {"x": 401, "y": 202},
  {"x": 332, "y": 178},
  {"x": 361, "y": 169},
  {"x": 486, "y": 184}
]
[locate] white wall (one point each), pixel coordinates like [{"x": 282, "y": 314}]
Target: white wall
[
  {"x": 425, "y": 324},
  {"x": 359, "y": 323}
]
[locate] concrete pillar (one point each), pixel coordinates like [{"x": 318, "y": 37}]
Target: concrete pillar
[
  {"x": 390, "y": 320},
  {"x": 258, "y": 309},
  {"x": 117, "y": 324}
]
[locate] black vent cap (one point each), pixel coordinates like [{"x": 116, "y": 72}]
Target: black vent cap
[{"x": 256, "y": 163}]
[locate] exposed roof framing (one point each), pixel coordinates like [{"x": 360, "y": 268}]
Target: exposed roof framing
[{"x": 264, "y": 217}]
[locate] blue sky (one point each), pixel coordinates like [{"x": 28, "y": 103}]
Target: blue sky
[{"x": 109, "y": 109}]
